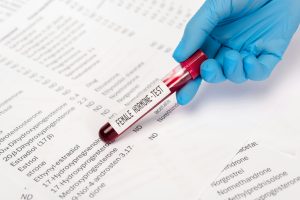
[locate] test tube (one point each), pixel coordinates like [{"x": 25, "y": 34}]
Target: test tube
[{"x": 174, "y": 81}]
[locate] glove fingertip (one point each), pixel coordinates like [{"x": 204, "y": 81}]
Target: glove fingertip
[
  {"x": 178, "y": 54},
  {"x": 211, "y": 71},
  {"x": 187, "y": 93},
  {"x": 181, "y": 99},
  {"x": 183, "y": 51}
]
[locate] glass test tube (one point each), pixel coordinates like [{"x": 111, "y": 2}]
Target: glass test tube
[{"x": 174, "y": 81}]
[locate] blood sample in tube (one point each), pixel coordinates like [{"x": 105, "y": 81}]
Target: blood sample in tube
[{"x": 159, "y": 91}]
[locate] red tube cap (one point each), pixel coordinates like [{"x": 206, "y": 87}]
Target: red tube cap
[{"x": 193, "y": 63}]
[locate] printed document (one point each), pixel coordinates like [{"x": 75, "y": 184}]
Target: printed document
[{"x": 66, "y": 68}]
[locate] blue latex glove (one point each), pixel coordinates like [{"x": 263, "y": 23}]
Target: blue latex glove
[{"x": 244, "y": 39}]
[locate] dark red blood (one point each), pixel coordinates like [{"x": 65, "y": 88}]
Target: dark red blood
[{"x": 108, "y": 134}]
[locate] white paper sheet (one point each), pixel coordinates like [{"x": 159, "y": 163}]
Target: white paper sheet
[
  {"x": 10, "y": 8},
  {"x": 258, "y": 172},
  {"x": 66, "y": 67}
]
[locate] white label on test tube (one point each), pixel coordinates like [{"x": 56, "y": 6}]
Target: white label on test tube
[{"x": 147, "y": 100}]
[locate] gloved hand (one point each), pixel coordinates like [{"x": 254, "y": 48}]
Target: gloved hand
[{"x": 244, "y": 39}]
